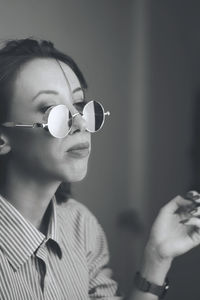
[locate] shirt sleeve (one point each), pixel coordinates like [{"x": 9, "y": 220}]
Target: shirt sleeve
[{"x": 101, "y": 284}]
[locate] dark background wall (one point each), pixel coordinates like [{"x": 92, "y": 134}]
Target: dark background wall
[
  {"x": 141, "y": 59},
  {"x": 169, "y": 115}
]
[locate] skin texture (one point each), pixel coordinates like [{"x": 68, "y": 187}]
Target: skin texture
[
  {"x": 39, "y": 162},
  {"x": 45, "y": 157}
]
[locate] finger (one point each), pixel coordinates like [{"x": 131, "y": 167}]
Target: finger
[
  {"x": 197, "y": 199},
  {"x": 191, "y": 222},
  {"x": 181, "y": 205},
  {"x": 194, "y": 196},
  {"x": 187, "y": 209},
  {"x": 178, "y": 201},
  {"x": 195, "y": 212},
  {"x": 195, "y": 235}
]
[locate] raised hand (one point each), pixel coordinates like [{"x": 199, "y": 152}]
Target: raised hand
[{"x": 176, "y": 229}]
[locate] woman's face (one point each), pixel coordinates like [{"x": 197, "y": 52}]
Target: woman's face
[{"x": 39, "y": 85}]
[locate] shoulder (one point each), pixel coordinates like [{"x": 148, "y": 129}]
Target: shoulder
[
  {"x": 79, "y": 223},
  {"x": 74, "y": 207},
  {"x": 77, "y": 215}
]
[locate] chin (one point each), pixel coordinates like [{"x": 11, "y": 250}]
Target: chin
[
  {"x": 75, "y": 174},
  {"x": 76, "y": 177}
]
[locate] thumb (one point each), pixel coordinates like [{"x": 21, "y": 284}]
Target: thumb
[{"x": 180, "y": 205}]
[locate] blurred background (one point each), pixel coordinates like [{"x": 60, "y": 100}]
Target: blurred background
[{"x": 141, "y": 60}]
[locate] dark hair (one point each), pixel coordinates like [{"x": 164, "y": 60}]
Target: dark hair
[{"x": 13, "y": 56}]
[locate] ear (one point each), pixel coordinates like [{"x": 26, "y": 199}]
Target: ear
[{"x": 4, "y": 144}]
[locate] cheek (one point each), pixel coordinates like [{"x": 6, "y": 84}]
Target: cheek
[
  {"x": 32, "y": 143},
  {"x": 39, "y": 154}
]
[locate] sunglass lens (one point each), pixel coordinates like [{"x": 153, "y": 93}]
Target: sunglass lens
[
  {"x": 59, "y": 120},
  {"x": 93, "y": 114}
]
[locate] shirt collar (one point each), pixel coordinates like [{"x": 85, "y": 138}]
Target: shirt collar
[
  {"x": 19, "y": 239},
  {"x": 52, "y": 232}
]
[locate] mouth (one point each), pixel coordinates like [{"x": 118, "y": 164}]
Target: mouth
[{"x": 79, "y": 150}]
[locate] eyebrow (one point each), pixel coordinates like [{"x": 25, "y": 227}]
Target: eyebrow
[
  {"x": 45, "y": 92},
  {"x": 78, "y": 89}
]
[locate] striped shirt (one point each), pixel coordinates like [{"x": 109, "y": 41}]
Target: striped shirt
[{"x": 70, "y": 262}]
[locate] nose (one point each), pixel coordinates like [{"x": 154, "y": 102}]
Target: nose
[{"x": 78, "y": 124}]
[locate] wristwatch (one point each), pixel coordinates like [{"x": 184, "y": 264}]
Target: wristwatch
[{"x": 146, "y": 286}]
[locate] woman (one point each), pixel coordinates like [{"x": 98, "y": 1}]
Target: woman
[{"x": 52, "y": 247}]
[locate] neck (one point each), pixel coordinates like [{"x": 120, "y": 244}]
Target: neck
[{"x": 29, "y": 196}]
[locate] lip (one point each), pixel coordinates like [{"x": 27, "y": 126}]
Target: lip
[
  {"x": 79, "y": 146},
  {"x": 79, "y": 150}
]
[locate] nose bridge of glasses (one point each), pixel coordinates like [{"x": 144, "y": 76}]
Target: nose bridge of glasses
[
  {"x": 76, "y": 114},
  {"x": 78, "y": 121}
]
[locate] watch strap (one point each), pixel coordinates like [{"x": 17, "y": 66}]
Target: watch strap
[{"x": 146, "y": 286}]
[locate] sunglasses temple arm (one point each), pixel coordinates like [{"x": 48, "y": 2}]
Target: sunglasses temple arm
[{"x": 35, "y": 125}]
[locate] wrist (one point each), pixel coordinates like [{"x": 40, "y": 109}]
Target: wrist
[{"x": 154, "y": 267}]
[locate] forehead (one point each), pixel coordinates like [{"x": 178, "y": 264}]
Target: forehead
[{"x": 45, "y": 74}]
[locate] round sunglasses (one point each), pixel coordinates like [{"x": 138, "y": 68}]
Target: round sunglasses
[{"x": 58, "y": 120}]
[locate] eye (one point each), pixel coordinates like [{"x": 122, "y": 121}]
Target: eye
[
  {"x": 80, "y": 105},
  {"x": 44, "y": 108}
]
